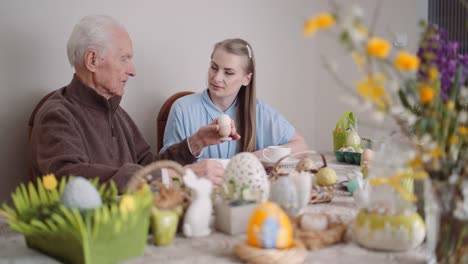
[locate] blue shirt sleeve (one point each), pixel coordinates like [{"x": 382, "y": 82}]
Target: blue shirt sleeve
[{"x": 272, "y": 128}]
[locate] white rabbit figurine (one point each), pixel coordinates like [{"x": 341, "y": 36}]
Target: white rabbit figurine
[{"x": 198, "y": 215}]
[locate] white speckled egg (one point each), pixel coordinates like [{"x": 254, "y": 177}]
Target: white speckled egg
[
  {"x": 245, "y": 169},
  {"x": 81, "y": 194},
  {"x": 224, "y": 120}
]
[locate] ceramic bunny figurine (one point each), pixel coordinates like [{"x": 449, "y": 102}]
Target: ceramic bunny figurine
[{"x": 197, "y": 217}]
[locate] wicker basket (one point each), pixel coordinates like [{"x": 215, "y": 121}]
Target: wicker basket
[
  {"x": 315, "y": 240},
  {"x": 168, "y": 206},
  {"x": 318, "y": 194},
  {"x": 296, "y": 254}
]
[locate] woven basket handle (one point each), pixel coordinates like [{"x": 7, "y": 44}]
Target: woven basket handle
[
  {"x": 302, "y": 153},
  {"x": 139, "y": 177},
  {"x": 276, "y": 171}
]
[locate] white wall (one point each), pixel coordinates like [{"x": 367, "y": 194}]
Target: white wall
[{"x": 172, "y": 43}]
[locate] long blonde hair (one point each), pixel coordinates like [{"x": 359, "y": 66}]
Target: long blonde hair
[{"x": 246, "y": 110}]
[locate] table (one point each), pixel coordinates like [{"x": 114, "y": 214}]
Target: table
[{"x": 217, "y": 248}]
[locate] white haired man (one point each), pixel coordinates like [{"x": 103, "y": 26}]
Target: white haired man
[{"x": 82, "y": 130}]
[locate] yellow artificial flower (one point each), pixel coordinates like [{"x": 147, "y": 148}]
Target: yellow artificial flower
[
  {"x": 50, "y": 182},
  {"x": 406, "y": 61},
  {"x": 358, "y": 58},
  {"x": 361, "y": 28},
  {"x": 453, "y": 140},
  {"x": 127, "y": 204},
  {"x": 416, "y": 163},
  {"x": 463, "y": 130},
  {"x": 433, "y": 73},
  {"x": 373, "y": 89},
  {"x": 426, "y": 94},
  {"x": 378, "y": 47},
  {"x": 436, "y": 153},
  {"x": 450, "y": 105},
  {"x": 322, "y": 21}
]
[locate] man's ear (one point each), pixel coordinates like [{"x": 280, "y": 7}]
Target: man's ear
[
  {"x": 90, "y": 60},
  {"x": 247, "y": 80}
]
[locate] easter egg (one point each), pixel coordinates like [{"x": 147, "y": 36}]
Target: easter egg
[
  {"x": 269, "y": 227},
  {"x": 81, "y": 194},
  {"x": 245, "y": 169},
  {"x": 224, "y": 120},
  {"x": 367, "y": 155},
  {"x": 326, "y": 176}
]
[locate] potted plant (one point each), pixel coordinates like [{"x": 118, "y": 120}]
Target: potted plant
[
  {"x": 235, "y": 203},
  {"x": 78, "y": 229}
]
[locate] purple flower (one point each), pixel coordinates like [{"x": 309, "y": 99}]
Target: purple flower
[{"x": 436, "y": 50}]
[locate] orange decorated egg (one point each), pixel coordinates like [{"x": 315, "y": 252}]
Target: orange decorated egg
[{"x": 269, "y": 227}]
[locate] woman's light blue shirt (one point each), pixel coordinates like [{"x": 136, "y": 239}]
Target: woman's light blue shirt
[{"x": 191, "y": 112}]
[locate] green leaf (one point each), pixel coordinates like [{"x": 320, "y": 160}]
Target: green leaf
[
  {"x": 97, "y": 222},
  {"x": 80, "y": 223},
  {"x": 113, "y": 188},
  {"x": 95, "y": 182},
  {"x": 43, "y": 197},
  {"x": 18, "y": 201},
  {"x": 21, "y": 227},
  {"x": 68, "y": 216},
  {"x": 52, "y": 226},
  {"x": 60, "y": 221},
  {"x": 9, "y": 211},
  {"x": 63, "y": 182},
  {"x": 54, "y": 196},
  {"x": 34, "y": 198},
  {"x": 25, "y": 196},
  {"x": 39, "y": 224},
  {"x": 403, "y": 99},
  {"x": 102, "y": 189},
  {"x": 105, "y": 215}
]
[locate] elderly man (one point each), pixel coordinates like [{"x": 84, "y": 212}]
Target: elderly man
[{"x": 82, "y": 130}]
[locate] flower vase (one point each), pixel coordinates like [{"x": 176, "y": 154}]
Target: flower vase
[{"x": 447, "y": 229}]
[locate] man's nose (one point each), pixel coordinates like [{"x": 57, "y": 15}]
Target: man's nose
[{"x": 131, "y": 69}]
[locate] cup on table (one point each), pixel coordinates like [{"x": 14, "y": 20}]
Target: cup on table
[{"x": 274, "y": 153}]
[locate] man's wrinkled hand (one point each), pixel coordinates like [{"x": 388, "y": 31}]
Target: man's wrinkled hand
[{"x": 209, "y": 135}]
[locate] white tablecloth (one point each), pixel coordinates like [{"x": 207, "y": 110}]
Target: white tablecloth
[{"x": 217, "y": 248}]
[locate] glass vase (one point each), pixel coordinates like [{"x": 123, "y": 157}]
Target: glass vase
[{"x": 447, "y": 233}]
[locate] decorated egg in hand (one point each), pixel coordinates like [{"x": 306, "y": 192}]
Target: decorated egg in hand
[
  {"x": 224, "y": 120},
  {"x": 269, "y": 227}
]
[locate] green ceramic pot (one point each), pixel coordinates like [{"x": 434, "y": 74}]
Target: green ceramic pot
[{"x": 164, "y": 224}]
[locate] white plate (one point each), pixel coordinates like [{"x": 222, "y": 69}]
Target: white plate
[{"x": 289, "y": 161}]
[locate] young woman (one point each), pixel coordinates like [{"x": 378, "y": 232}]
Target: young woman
[{"x": 231, "y": 91}]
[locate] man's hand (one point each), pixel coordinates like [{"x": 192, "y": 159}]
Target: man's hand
[
  {"x": 210, "y": 169},
  {"x": 209, "y": 135}
]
